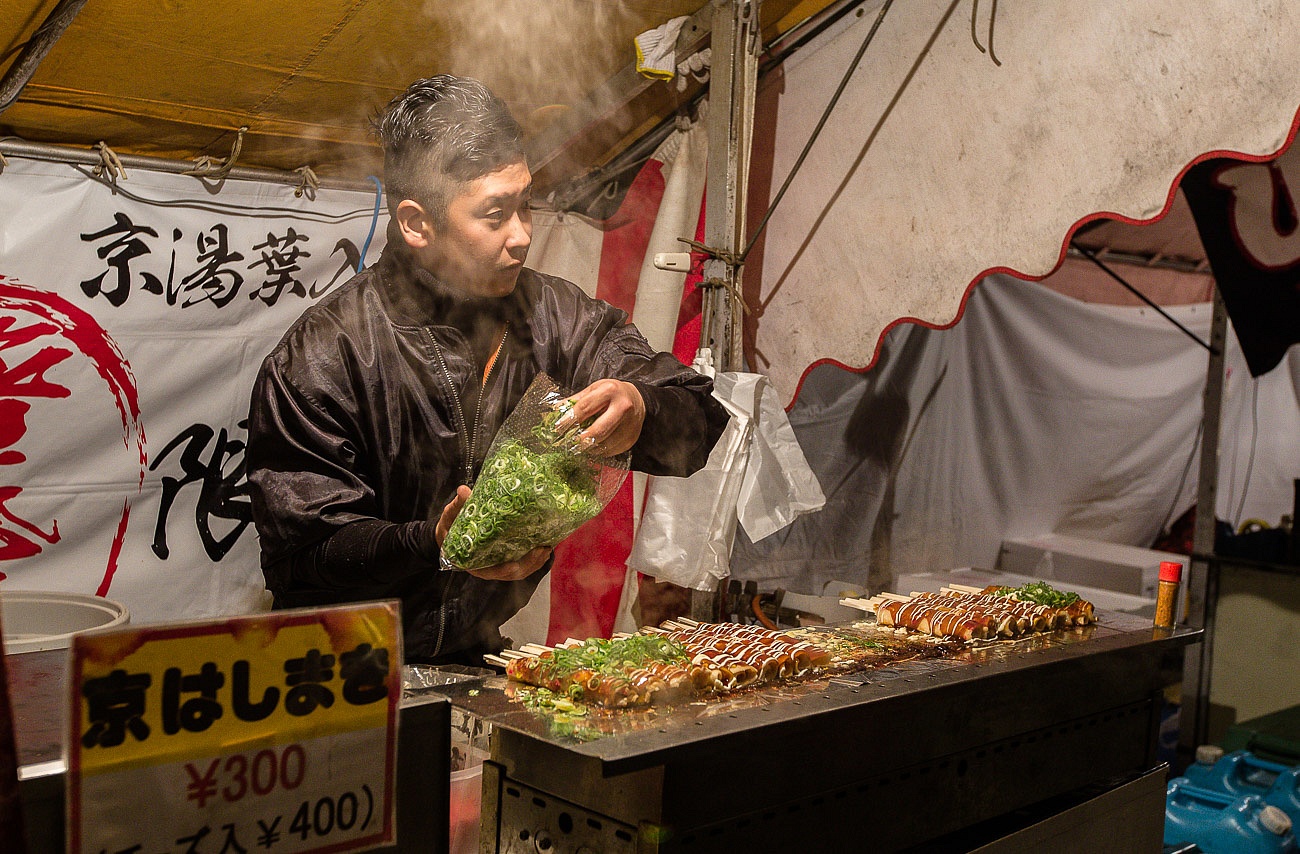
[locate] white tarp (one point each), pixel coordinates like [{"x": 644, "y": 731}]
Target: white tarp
[
  {"x": 1037, "y": 413},
  {"x": 940, "y": 165},
  {"x": 131, "y": 325}
]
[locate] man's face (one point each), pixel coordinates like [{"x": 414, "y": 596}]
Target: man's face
[{"x": 483, "y": 243}]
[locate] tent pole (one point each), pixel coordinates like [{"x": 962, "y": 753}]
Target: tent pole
[
  {"x": 38, "y": 46},
  {"x": 736, "y": 41},
  {"x": 1202, "y": 582}
]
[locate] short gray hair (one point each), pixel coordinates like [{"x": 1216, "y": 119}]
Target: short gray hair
[{"x": 440, "y": 134}]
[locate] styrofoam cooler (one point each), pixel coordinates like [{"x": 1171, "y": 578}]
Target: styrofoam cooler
[{"x": 1066, "y": 560}]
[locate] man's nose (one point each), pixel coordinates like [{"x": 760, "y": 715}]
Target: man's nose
[{"x": 520, "y": 236}]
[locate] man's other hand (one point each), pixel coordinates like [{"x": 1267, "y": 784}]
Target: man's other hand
[
  {"x": 619, "y": 414},
  {"x": 512, "y": 570}
]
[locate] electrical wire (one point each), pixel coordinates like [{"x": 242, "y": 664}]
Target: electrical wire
[
  {"x": 1250, "y": 460},
  {"x": 567, "y": 195},
  {"x": 826, "y": 114},
  {"x": 251, "y": 211},
  {"x": 374, "y": 219},
  {"x": 1182, "y": 481}
]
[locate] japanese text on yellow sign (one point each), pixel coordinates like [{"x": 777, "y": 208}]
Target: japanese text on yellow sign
[{"x": 247, "y": 709}]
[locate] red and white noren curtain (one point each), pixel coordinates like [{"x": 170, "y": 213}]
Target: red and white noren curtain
[{"x": 590, "y": 589}]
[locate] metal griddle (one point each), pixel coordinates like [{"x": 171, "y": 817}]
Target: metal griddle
[{"x": 890, "y": 758}]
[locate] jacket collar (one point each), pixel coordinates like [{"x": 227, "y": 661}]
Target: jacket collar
[{"x": 416, "y": 296}]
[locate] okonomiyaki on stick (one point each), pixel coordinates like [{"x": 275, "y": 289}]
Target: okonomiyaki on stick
[
  {"x": 667, "y": 663},
  {"x": 966, "y": 614}
]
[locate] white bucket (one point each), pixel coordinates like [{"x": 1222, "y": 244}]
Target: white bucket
[
  {"x": 35, "y": 620},
  {"x": 466, "y": 805}
]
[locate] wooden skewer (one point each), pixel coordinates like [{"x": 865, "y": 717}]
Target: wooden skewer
[
  {"x": 497, "y": 660},
  {"x": 963, "y": 590},
  {"x": 896, "y": 596},
  {"x": 535, "y": 648}
]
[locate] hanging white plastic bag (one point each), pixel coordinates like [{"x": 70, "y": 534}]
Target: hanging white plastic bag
[
  {"x": 756, "y": 474},
  {"x": 779, "y": 486}
]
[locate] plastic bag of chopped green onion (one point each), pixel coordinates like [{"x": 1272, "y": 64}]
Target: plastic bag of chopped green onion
[{"x": 536, "y": 486}]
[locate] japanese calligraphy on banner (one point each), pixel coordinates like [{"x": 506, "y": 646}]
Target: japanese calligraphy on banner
[
  {"x": 273, "y": 733},
  {"x": 132, "y": 323}
]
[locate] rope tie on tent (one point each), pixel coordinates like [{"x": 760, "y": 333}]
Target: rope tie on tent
[
  {"x": 308, "y": 185},
  {"x": 731, "y": 259},
  {"x": 109, "y": 166},
  {"x": 207, "y": 166}
]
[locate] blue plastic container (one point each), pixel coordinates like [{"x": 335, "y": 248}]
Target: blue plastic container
[
  {"x": 1285, "y": 794},
  {"x": 1219, "y": 823},
  {"x": 1243, "y": 773}
]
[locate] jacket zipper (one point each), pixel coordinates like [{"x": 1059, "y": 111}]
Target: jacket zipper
[
  {"x": 469, "y": 433},
  {"x": 467, "y": 446},
  {"x": 442, "y": 628}
]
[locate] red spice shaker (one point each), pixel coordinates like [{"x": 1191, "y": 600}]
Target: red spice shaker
[{"x": 1171, "y": 573}]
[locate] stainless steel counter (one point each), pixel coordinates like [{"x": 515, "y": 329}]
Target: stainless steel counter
[{"x": 896, "y": 756}]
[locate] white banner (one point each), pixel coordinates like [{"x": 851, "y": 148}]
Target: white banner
[{"x": 132, "y": 323}]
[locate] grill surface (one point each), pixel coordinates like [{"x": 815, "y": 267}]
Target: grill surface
[{"x": 912, "y": 751}]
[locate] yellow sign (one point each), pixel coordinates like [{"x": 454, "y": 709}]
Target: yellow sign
[{"x": 279, "y": 729}]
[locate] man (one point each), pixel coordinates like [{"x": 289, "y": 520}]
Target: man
[{"x": 375, "y": 411}]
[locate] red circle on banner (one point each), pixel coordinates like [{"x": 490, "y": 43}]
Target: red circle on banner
[{"x": 26, "y": 315}]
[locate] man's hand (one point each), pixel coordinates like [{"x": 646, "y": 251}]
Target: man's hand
[
  {"x": 619, "y": 414},
  {"x": 512, "y": 570}
]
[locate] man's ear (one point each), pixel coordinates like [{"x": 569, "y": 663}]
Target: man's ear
[{"x": 415, "y": 224}]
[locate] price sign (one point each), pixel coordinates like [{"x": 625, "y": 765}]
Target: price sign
[{"x": 270, "y": 733}]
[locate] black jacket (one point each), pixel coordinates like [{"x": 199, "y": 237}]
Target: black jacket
[{"x": 362, "y": 424}]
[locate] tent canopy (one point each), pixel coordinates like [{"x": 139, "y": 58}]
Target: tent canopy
[
  {"x": 178, "y": 78},
  {"x": 1077, "y": 117}
]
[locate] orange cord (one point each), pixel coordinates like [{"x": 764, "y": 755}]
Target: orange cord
[{"x": 758, "y": 612}]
